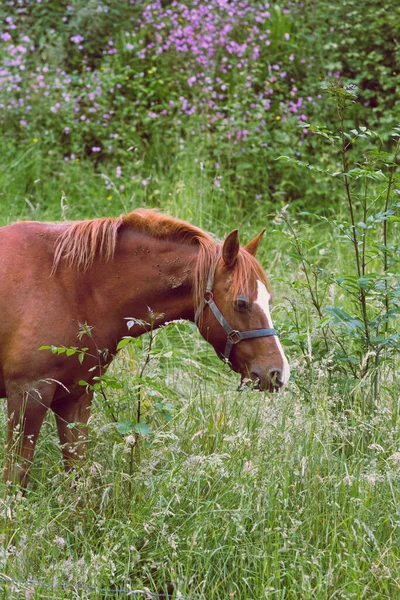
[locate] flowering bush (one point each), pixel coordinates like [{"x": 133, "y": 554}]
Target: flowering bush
[
  {"x": 95, "y": 80},
  {"x": 236, "y": 81}
]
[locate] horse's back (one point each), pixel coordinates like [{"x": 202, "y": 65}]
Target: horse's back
[
  {"x": 28, "y": 245},
  {"x": 26, "y": 255}
]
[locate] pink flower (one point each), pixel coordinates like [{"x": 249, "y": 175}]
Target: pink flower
[
  {"x": 77, "y": 39},
  {"x": 60, "y": 541}
]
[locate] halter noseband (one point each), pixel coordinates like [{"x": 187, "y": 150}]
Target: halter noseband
[{"x": 233, "y": 335}]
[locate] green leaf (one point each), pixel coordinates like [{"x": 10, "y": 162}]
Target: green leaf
[
  {"x": 112, "y": 382},
  {"x": 365, "y": 282},
  {"x": 131, "y": 322},
  {"x": 124, "y": 427},
  {"x": 124, "y": 342},
  {"x": 166, "y": 415},
  {"x": 142, "y": 428},
  {"x": 342, "y": 317}
]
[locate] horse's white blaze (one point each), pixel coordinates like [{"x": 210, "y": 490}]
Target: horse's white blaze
[{"x": 263, "y": 298}]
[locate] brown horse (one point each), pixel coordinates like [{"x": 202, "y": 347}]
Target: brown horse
[{"x": 54, "y": 277}]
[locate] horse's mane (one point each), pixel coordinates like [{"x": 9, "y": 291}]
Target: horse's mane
[
  {"x": 83, "y": 241},
  {"x": 247, "y": 268}
]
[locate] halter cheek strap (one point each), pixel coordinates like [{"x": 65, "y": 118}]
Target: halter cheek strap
[{"x": 233, "y": 335}]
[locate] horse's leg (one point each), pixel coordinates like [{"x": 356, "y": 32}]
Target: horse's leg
[
  {"x": 26, "y": 411},
  {"x": 73, "y": 439}
]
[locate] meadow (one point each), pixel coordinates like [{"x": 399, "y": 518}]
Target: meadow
[{"x": 229, "y": 115}]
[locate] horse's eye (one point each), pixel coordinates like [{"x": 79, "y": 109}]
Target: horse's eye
[{"x": 241, "y": 304}]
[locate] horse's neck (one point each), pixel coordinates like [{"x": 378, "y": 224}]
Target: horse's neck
[{"x": 147, "y": 273}]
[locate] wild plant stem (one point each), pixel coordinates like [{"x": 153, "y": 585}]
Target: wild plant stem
[
  {"x": 364, "y": 240},
  {"x": 139, "y": 398},
  {"x": 314, "y": 297},
  {"x": 298, "y": 329},
  {"x": 385, "y": 231},
  {"x": 346, "y": 182},
  {"x": 376, "y": 381},
  {"x": 101, "y": 389}
]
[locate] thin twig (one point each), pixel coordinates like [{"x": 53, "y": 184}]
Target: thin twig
[{"x": 392, "y": 170}]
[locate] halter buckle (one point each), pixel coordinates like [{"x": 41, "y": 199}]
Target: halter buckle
[
  {"x": 208, "y": 297},
  {"x": 234, "y": 336}
]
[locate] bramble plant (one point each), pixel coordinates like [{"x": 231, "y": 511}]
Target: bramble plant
[
  {"x": 141, "y": 388},
  {"x": 360, "y": 332}
]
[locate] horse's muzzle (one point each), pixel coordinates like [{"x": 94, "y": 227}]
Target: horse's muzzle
[{"x": 270, "y": 381}]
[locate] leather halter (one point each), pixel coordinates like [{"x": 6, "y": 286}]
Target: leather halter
[{"x": 233, "y": 335}]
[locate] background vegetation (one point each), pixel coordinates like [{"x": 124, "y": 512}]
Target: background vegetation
[{"x": 188, "y": 106}]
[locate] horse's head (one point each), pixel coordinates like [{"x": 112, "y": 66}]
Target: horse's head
[{"x": 235, "y": 316}]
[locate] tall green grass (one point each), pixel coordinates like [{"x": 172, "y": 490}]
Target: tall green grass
[{"x": 240, "y": 495}]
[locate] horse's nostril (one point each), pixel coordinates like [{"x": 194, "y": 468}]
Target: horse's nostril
[
  {"x": 276, "y": 377},
  {"x": 271, "y": 380}
]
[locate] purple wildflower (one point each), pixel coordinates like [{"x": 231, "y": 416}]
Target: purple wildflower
[{"x": 76, "y": 39}]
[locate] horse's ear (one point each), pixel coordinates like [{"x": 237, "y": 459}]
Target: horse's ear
[
  {"x": 230, "y": 248},
  {"x": 252, "y": 246}
]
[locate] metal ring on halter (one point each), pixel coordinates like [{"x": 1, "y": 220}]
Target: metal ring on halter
[{"x": 234, "y": 337}]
